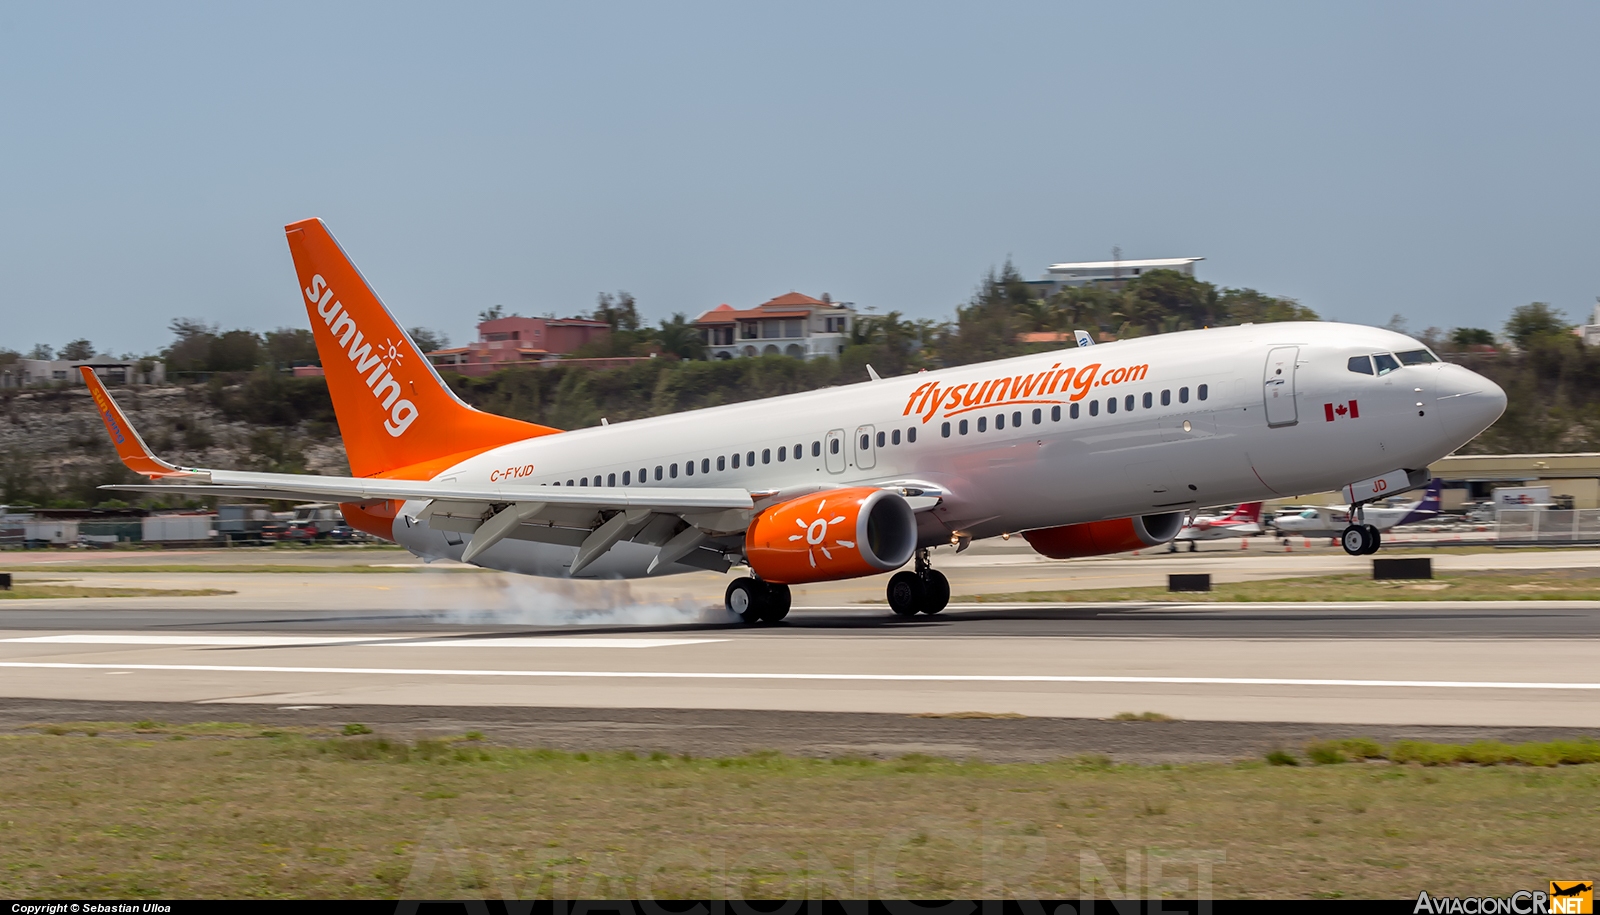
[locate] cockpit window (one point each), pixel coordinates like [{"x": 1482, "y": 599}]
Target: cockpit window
[
  {"x": 1361, "y": 364},
  {"x": 1386, "y": 363},
  {"x": 1417, "y": 357}
]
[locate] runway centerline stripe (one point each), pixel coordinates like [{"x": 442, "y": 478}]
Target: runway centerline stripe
[{"x": 878, "y": 678}]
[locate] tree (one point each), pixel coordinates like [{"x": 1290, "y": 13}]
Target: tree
[
  {"x": 680, "y": 337},
  {"x": 429, "y": 340},
  {"x": 1533, "y": 321},
  {"x": 79, "y": 350},
  {"x": 289, "y": 346},
  {"x": 492, "y": 314},
  {"x": 620, "y": 312},
  {"x": 235, "y": 351},
  {"x": 9, "y": 356},
  {"x": 42, "y": 351},
  {"x": 1471, "y": 336},
  {"x": 1247, "y": 306},
  {"x": 191, "y": 351}
]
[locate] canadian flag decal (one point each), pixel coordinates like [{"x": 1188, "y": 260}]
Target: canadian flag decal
[{"x": 1340, "y": 411}]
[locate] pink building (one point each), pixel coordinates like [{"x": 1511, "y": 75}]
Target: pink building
[{"x": 508, "y": 341}]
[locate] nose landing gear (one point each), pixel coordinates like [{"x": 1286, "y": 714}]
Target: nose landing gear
[
  {"x": 925, "y": 590},
  {"x": 1360, "y": 538}
]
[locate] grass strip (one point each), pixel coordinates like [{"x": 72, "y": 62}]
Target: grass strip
[
  {"x": 241, "y": 568},
  {"x": 225, "y": 809},
  {"x": 1548, "y": 584},
  {"x": 30, "y": 591}
]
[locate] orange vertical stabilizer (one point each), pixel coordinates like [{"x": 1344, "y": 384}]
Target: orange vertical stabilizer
[{"x": 396, "y": 414}]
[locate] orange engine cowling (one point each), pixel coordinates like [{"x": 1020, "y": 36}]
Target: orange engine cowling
[
  {"x": 841, "y": 533},
  {"x": 1097, "y": 538}
]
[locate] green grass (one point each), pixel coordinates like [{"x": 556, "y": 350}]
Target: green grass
[
  {"x": 1547, "y": 584},
  {"x": 31, "y": 591},
  {"x": 238, "y": 810}
]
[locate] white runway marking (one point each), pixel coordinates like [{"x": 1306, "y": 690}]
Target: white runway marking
[
  {"x": 880, "y": 678},
  {"x": 281, "y": 641}
]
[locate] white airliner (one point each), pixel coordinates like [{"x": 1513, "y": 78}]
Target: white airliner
[
  {"x": 1244, "y": 521},
  {"x": 1085, "y": 451}
]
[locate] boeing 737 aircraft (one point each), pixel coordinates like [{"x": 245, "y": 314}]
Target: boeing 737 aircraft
[{"x": 1085, "y": 451}]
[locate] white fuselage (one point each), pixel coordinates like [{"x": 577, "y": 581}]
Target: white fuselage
[{"x": 1217, "y": 416}]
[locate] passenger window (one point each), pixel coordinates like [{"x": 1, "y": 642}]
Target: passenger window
[
  {"x": 983, "y": 424},
  {"x": 556, "y": 483},
  {"x": 644, "y": 476},
  {"x": 783, "y": 453},
  {"x": 1074, "y": 409},
  {"x": 688, "y": 468},
  {"x": 1016, "y": 417},
  {"x": 1038, "y": 415},
  {"x": 944, "y": 430},
  {"x": 1166, "y": 397},
  {"x": 1361, "y": 365},
  {"x": 658, "y": 471},
  {"x": 1127, "y": 403},
  {"x": 673, "y": 471},
  {"x": 569, "y": 482},
  {"x": 833, "y": 446},
  {"x": 1149, "y": 400},
  {"x": 1201, "y": 391},
  {"x": 722, "y": 462},
  {"x": 963, "y": 427},
  {"x": 750, "y": 458},
  {"x": 736, "y": 460},
  {"x": 880, "y": 439},
  {"x": 1417, "y": 357},
  {"x": 627, "y": 476},
  {"x": 816, "y": 449},
  {"x": 766, "y": 455},
  {"x": 799, "y": 451},
  {"x": 705, "y": 465},
  {"x": 999, "y": 421},
  {"x": 911, "y": 435},
  {"x": 584, "y": 481},
  {"x": 1094, "y": 407},
  {"x": 1055, "y": 413},
  {"x": 1111, "y": 406},
  {"x": 611, "y": 479},
  {"x": 866, "y": 442},
  {"x": 1183, "y": 395},
  {"x": 895, "y": 438}
]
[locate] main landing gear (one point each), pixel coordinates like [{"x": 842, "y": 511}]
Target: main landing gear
[
  {"x": 757, "y": 601},
  {"x": 925, "y": 590}
]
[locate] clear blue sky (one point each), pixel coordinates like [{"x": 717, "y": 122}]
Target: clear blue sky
[{"x": 1433, "y": 159}]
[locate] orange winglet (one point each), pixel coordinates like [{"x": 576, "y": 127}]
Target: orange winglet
[{"x": 130, "y": 447}]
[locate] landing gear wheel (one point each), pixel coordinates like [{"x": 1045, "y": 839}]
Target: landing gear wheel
[
  {"x": 747, "y": 598},
  {"x": 777, "y": 603},
  {"x": 1358, "y": 539},
  {"x": 1374, "y": 539},
  {"x": 936, "y": 591},
  {"x": 907, "y": 595}
]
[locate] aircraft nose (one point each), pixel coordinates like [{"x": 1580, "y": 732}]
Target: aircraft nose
[{"x": 1468, "y": 403}]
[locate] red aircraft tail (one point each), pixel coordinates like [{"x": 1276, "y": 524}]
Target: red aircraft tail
[{"x": 1248, "y": 513}]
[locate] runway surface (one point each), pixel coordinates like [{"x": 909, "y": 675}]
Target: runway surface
[{"x": 468, "y": 639}]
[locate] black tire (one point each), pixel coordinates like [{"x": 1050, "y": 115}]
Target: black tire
[
  {"x": 906, "y": 594},
  {"x": 777, "y": 603},
  {"x": 937, "y": 592},
  {"x": 747, "y": 599},
  {"x": 1355, "y": 540},
  {"x": 1374, "y": 539}
]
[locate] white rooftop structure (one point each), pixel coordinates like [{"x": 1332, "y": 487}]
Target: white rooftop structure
[{"x": 1108, "y": 273}]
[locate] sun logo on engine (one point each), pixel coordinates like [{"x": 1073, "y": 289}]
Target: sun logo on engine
[{"x": 816, "y": 532}]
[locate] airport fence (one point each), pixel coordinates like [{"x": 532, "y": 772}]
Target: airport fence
[{"x": 1533, "y": 525}]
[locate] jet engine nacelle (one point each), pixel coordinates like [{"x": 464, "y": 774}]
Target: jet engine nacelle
[
  {"x": 1097, "y": 538},
  {"x": 841, "y": 533}
]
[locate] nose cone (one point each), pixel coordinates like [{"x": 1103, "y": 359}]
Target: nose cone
[{"x": 1467, "y": 403}]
